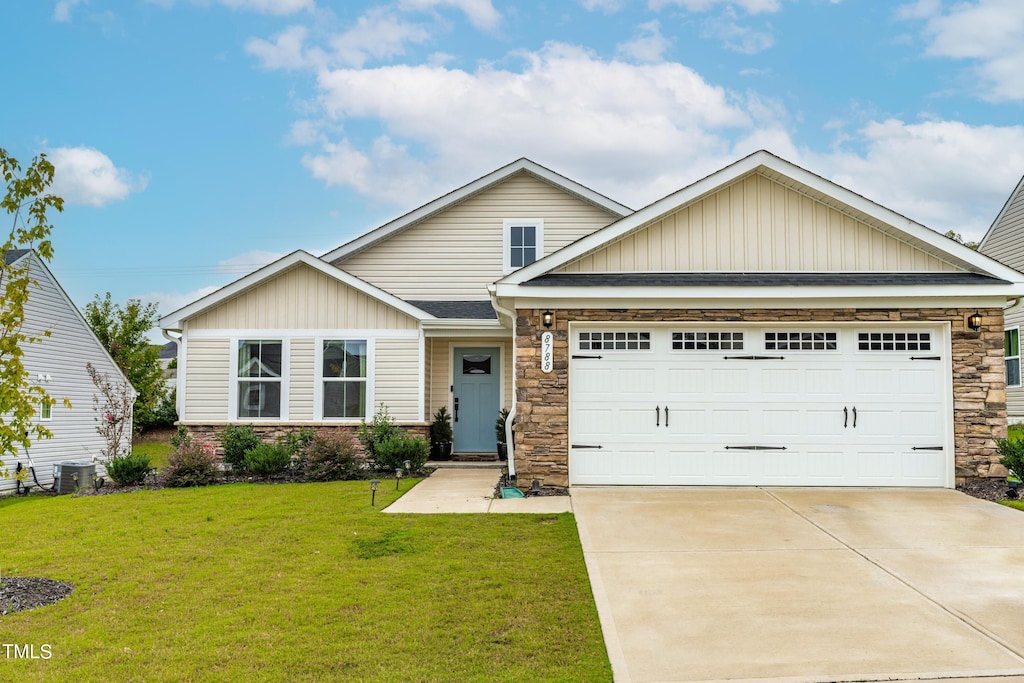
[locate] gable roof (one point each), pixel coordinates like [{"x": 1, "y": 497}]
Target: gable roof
[
  {"x": 790, "y": 175},
  {"x": 996, "y": 224},
  {"x": 458, "y": 310},
  {"x": 461, "y": 194},
  {"x": 173, "y": 321},
  {"x": 14, "y": 255}
]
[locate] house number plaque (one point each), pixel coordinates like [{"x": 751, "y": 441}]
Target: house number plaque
[{"x": 547, "y": 351}]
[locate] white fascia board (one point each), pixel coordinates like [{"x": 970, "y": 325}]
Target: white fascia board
[
  {"x": 466, "y": 191},
  {"x": 173, "y": 321},
  {"x": 737, "y": 170},
  {"x": 999, "y": 217},
  {"x": 790, "y": 302},
  {"x": 459, "y": 327}
]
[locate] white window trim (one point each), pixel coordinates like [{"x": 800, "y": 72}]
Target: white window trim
[
  {"x": 43, "y": 417},
  {"x": 318, "y": 378},
  {"x": 234, "y": 378},
  {"x": 1017, "y": 357},
  {"x": 506, "y": 240}
]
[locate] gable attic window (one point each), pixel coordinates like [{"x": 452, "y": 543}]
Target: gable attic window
[
  {"x": 1011, "y": 349},
  {"x": 523, "y": 240},
  {"x": 259, "y": 378}
]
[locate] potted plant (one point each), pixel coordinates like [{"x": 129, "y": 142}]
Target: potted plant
[
  {"x": 441, "y": 435},
  {"x": 499, "y": 433}
]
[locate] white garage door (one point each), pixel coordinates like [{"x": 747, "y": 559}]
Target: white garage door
[{"x": 856, "y": 405}]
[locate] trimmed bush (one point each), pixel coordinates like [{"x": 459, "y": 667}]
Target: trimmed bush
[
  {"x": 393, "y": 451},
  {"x": 191, "y": 464},
  {"x": 1012, "y": 452},
  {"x": 128, "y": 470},
  {"x": 266, "y": 460},
  {"x": 237, "y": 440},
  {"x": 380, "y": 429},
  {"x": 332, "y": 458}
]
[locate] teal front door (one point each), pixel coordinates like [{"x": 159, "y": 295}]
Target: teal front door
[{"x": 476, "y": 398}]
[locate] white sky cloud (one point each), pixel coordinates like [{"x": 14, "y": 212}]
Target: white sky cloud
[
  {"x": 989, "y": 33},
  {"x": 606, "y": 6},
  {"x": 648, "y": 45},
  {"x": 62, "y": 10},
  {"x": 84, "y": 175},
  {"x": 285, "y": 52},
  {"x": 750, "y": 6},
  {"x": 481, "y": 13},
  {"x": 270, "y": 6},
  {"x": 378, "y": 34},
  {"x": 735, "y": 36}
]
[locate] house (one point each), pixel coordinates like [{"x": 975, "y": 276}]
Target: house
[
  {"x": 1004, "y": 242},
  {"x": 761, "y": 326},
  {"x": 58, "y": 364}
]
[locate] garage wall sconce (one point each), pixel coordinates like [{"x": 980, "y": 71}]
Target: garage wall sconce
[
  {"x": 974, "y": 321},
  {"x": 547, "y": 318}
]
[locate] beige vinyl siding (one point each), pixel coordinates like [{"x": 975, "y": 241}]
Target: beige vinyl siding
[
  {"x": 302, "y": 375},
  {"x": 428, "y": 365},
  {"x": 1006, "y": 243},
  {"x": 302, "y": 298},
  {"x": 756, "y": 225},
  {"x": 457, "y": 253},
  {"x": 396, "y": 378},
  {"x": 440, "y": 376},
  {"x": 207, "y": 379}
]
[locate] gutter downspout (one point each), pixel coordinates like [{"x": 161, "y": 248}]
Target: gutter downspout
[
  {"x": 179, "y": 395},
  {"x": 509, "y": 438}
]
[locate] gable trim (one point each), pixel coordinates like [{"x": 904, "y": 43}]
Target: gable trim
[
  {"x": 173, "y": 321},
  {"x": 480, "y": 184},
  {"x": 903, "y": 227},
  {"x": 1002, "y": 212}
]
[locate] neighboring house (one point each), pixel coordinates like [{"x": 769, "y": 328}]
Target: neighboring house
[
  {"x": 1004, "y": 242},
  {"x": 761, "y": 326},
  {"x": 57, "y": 363}
]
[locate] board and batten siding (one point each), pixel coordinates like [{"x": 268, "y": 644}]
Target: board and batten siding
[
  {"x": 302, "y": 298},
  {"x": 396, "y": 378},
  {"x": 63, "y": 356},
  {"x": 440, "y": 376},
  {"x": 455, "y": 254},
  {"x": 302, "y": 366},
  {"x": 756, "y": 225},
  {"x": 1005, "y": 243},
  {"x": 207, "y": 379}
]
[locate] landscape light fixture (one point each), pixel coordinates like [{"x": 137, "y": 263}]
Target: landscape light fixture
[
  {"x": 374, "y": 483},
  {"x": 974, "y": 321},
  {"x": 548, "y": 318},
  {"x": 398, "y": 476}
]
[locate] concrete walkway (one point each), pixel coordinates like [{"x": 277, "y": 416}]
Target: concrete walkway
[
  {"x": 714, "y": 584},
  {"x": 471, "y": 490}
]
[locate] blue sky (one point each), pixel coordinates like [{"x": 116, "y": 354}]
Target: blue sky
[{"x": 196, "y": 139}]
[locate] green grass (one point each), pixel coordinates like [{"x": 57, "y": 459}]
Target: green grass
[
  {"x": 297, "y": 582},
  {"x": 1015, "y": 432},
  {"x": 1018, "y": 504},
  {"x": 157, "y": 451}
]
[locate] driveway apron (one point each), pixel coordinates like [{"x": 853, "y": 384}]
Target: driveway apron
[{"x": 714, "y": 584}]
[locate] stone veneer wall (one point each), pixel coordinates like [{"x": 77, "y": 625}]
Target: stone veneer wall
[
  {"x": 271, "y": 432},
  {"x": 542, "y": 400}
]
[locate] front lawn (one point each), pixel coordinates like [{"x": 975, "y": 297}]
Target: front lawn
[
  {"x": 1018, "y": 504},
  {"x": 297, "y": 582}
]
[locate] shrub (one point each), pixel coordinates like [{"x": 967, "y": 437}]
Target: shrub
[
  {"x": 191, "y": 464},
  {"x": 332, "y": 458},
  {"x": 393, "y": 451},
  {"x": 1012, "y": 453},
  {"x": 166, "y": 413},
  {"x": 128, "y": 470},
  {"x": 297, "y": 442},
  {"x": 499, "y": 425},
  {"x": 381, "y": 428},
  {"x": 237, "y": 440},
  {"x": 441, "y": 427},
  {"x": 267, "y": 459}
]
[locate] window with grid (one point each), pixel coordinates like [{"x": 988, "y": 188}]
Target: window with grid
[
  {"x": 1011, "y": 349},
  {"x": 801, "y": 341},
  {"x": 615, "y": 341},
  {"x": 707, "y": 341},
  {"x": 523, "y": 242},
  {"x": 894, "y": 341},
  {"x": 344, "y": 378},
  {"x": 259, "y": 378}
]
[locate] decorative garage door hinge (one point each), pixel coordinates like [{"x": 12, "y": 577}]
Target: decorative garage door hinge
[
  {"x": 927, "y": 448},
  {"x": 583, "y": 445},
  {"x": 754, "y": 357},
  {"x": 755, "y": 448},
  {"x": 926, "y": 358},
  {"x": 578, "y": 356}
]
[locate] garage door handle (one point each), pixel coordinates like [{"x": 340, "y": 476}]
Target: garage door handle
[
  {"x": 657, "y": 416},
  {"x": 855, "y": 417},
  {"x": 846, "y": 416},
  {"x": 755, "y": 448}
]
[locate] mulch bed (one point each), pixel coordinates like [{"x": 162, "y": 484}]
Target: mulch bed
[
  {"x": 987, "y": 489},
  {"x": 20, "y": 593}
]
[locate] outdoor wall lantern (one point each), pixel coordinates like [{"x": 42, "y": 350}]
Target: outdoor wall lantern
[
  {"x": 548, "y": 318},
  {"x": 374, "y": 483},
  {"x": 974, "y": 321}
]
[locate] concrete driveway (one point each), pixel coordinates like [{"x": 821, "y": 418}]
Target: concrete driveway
[{"x": 709, "y": 584}]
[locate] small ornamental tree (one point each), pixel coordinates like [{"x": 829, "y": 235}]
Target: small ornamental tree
[
  {"x": 113, "y": 406},
  {"x": 26, "y": 203}
]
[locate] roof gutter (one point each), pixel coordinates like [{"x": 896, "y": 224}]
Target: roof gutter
[
  {"x": 179, "y": 396},
  {"x": 510, "y": 420}
]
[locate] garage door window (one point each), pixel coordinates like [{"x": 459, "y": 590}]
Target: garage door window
[
  {"x": 894, "y": 341},
  {"x": 1011, "y": 340},
  {"x": 615, "y": 341},
  {"x": 801, "y": 341},
  {"x": 707, "y": 341}
]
